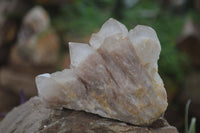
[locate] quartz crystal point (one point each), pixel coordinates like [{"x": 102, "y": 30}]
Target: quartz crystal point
[{"x": 116, "y": 76}]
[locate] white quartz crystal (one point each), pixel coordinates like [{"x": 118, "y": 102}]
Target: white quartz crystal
[
  {"x": 115, "y": 77},
  {"x": 145, "y": 40},
  {"x": 109, "y": 28},
  {"x": 78, "y": 53}
]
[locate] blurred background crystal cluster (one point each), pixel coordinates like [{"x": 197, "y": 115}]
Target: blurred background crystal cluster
[{"x": 34, "y": 35}]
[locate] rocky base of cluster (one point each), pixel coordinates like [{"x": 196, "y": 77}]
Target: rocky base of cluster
[{"x": 34, "y": 116}]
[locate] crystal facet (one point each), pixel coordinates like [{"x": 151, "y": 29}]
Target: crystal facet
[{"x": 116, "y": 77}]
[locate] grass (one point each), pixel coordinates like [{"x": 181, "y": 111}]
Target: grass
[{"x": 192, "y": 127}]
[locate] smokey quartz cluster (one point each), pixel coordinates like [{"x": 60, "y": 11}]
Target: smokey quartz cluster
[{"x": 115, "y": 76}]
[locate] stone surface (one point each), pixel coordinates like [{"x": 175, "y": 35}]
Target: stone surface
[
  {"x": 19, "y": 74},
  {"x": 33, "y": 116},
  {"x": 16, "y": 81},
  {"x": 37, "y": 42},
  {"x": 116, "y": 77},
  {"x": 20, "y": 65}
]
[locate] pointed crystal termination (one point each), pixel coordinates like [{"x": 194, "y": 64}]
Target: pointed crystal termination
[
  {"x": 116, "y": 77},
  {"x": 109, "y": 28},
  {"x": 78, "y": 53},
  {"x": 144, "y": 38},
  {"x": 56, "y": 89},
  {"x": 47, "y": 87}
]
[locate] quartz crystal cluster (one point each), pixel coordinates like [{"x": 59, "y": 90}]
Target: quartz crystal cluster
[{"x": 115, "y": 76}]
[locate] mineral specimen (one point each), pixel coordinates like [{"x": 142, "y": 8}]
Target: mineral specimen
[{"x": 115, "y": 77}]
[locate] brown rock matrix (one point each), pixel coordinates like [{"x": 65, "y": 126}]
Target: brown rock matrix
[{"x": 34, "y": 117}]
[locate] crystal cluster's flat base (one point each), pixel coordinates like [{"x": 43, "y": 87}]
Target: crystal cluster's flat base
[{"x": 115, "y": 76}]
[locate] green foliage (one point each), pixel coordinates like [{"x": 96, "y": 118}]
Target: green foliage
[
  {"x": 194, "y": 15},
  {"x": 82, "y": 17},
  {"x": 192, "y": 127}
]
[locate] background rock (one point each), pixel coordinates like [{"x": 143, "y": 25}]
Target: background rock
[
  {"x": 33, "y": 116},
  {"x": 11, "y": 11},
  {"x": 35, "y": 50},
  {"x": 189, "y": 42},
  {"x": 16, "y": 81},
  {"x": 37, "y": 43}
]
